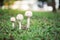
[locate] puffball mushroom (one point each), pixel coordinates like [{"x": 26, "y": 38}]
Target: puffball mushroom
[
  {"x": 28, "y": 14},
  {"x": 12, "y": 19},
  {"x": 19, "y": 19}
]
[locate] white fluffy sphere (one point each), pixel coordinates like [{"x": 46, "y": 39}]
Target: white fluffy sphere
[
  {"x": 19, "y": 17},
  {"x": 28, "y": 13},
  {"x": 12, "y": 19}
]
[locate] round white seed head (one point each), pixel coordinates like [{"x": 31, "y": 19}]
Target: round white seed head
[
  {"x": 12, "y": 19},
  {"x": 19, "y": 17},
  {"x": 28, "y": 13}
]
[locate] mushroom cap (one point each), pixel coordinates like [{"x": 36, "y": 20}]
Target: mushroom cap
[
  {"x": 19, "y": 17},
  {"x": 12, "y": 19},
  {"x": 28, "y": 13}
]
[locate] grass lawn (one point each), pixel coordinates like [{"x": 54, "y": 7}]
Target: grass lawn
[{"x": 44, "y": 26}]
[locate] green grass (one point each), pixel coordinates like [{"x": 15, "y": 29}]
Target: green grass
[{"x": 44, "y": 26}]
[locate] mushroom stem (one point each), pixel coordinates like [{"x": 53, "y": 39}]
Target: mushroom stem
[
  {"x": 13, "y": 25},
  {"x": 28, "y": 22},
  {"x": 19, "y": 25}
]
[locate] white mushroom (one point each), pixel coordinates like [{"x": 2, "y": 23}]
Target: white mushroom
[
  {"x": 12, "y": 19},
  {"x": 19, "y": 19},
  {"x": 28, "y": 14}
]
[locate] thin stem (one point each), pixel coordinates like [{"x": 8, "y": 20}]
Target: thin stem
[
  {"x": 28, "y": 22},
  {"x": 13, "y": 25},
  {"x": 19, "y": 25}
]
